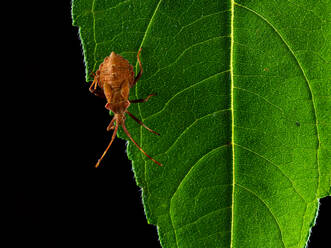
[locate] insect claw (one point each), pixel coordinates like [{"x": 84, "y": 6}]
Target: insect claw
[{"x": 98, "y": 163}]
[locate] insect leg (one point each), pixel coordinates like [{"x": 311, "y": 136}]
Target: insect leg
[
  {"x": 128, "y": 134},
  {"x": 141, "y": 69},
  {"x": 141, "y": 123},
  {"x": 96, "y": 91},
  {"x": 111, "y": 125},
  {"x": 93, "y": 85},
  {"x": 142, "y": 100},
  {"x": 112, "y": 139}
]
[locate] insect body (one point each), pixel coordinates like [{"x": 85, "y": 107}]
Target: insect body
[{"x": 113, "y": 81}]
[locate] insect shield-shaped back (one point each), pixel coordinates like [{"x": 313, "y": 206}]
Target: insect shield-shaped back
[
  {"x": 115, "y": 77},
  {"x": 121, "y": 67},
  {"x": 116, "y": 71}
]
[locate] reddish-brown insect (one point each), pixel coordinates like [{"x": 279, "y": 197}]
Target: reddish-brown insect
[{"x": 113, "y": 81}]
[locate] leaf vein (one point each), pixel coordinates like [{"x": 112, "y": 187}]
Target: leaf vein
[
  {"x": 183, "y": 53},
  {"x": 199, "y": 19},
  {"x": 183, "y": 90},
  {"x": 203, "y": 216},
  {"x": 277, "y": 167},
  {"x": 266, "y": 100},
  {"x": 267, "y": 207},
  {"x": 94, "y": 35},
  {"x": 199, "y": 160},
  {"x": 305, "y": 77},
  {"x": 188, "y": 127},
  {"x": 181, "y": 181}
]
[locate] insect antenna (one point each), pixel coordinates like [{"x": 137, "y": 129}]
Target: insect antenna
[
  {"x": 112, "y": 139},
  {"x": 141, "y": 123},
  {"x": 128, "y": 134}
]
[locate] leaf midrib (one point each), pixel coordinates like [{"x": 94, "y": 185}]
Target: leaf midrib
[
  {"x": 232, "y": 121},
  {"x": 233, "y": 4},
  {"x": 232, "y": 109}
]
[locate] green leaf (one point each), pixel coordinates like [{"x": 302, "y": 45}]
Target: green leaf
[{"x": 243, "y": 107}]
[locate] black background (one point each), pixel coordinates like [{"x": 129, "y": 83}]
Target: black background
[
  {"x": 57, "y": 196},
  {"x": 60, "y": 133}
]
